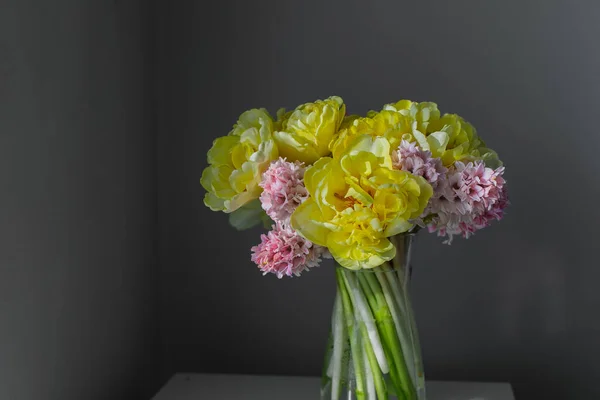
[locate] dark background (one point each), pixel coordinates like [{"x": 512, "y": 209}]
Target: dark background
[
  {"x": 114, "y": 275},
  {"x": 78, "y": 304}
]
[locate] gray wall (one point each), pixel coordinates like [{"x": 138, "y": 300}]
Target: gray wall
[
  {"x": 78, "y": 202},
  {"x": 518, "y": 302}
]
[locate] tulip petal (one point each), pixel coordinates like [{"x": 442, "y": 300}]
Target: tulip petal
[{"x": 307, "y": 221}]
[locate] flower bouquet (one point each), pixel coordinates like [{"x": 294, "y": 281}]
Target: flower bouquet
[{"x": 357, "y": 189}]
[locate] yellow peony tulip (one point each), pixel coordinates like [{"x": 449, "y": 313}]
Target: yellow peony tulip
[
  {"x": 388, "y": 124},
  {"x": 237, "y": 162},
  {"x": 420, "y": 113},
  {"x": 457, "y": 140},
  {"x": 305, "y": 133},
  {"x": 357, "y": 201},
  {"x": 448, "y": 137}
]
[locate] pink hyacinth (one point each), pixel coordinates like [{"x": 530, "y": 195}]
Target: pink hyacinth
[
  {"x": 479, "y": 185},
  {"x": 409, "y": 157},
  {"x": 283, "y": 189},
  {"x": 447, "y": 200},
  {"x": 470, "y": 198},
  {"x": 284, "y": 252},
  {"x": 495, "y": 212}
]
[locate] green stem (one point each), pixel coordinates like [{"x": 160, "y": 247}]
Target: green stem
[
  {"x": 397, "y": 290},
  {"x": 364, "y": 314},
  {"x": 399, "y": 281},
  {"x": 399, "y": 278},
  {"x": 390, "y": 337},
  {"x": 339, "y": 341},
  {"x": 377, "y": 375},
  {"x": 368, "y": 292},
  {"x": 380, "y": 387},
  {"x": 418, "y": 358},
  {"x": 369, "y": 379},
  {"x": 399, "y": 322},
  {"x": 376, "y": 308},
  {"x": 349, "y": 320}
]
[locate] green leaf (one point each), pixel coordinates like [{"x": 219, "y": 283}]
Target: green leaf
[
  {"x": 247, "y": 216},
  {"x": 266, "y": 221}
]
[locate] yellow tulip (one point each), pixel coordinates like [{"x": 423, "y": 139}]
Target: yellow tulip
[
  {"x": 461, "y": 142},
  {"x": 305, "y": 133},
  {"x": 421, "y": 113},
  {"x": 357, "y": 201},
  {"x": 388, "y": 124},
  {"x": 237, "y": 161},
  {"x": 448, "y": 137}
]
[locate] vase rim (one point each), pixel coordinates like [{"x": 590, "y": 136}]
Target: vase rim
[{"x": 407, "y": 234}]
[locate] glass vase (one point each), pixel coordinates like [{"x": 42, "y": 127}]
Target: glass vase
[{"x": 373, "y": 351}]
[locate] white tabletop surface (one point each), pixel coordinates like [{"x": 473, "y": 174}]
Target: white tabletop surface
[{"x": 260, "y": 387}]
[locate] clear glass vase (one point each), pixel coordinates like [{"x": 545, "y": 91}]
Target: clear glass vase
[{"x": 373, "y": 351}]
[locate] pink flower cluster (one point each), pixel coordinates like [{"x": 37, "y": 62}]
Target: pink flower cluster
[
  {"x": 283, "y": 189},
  {"x": 409, "y": 157},
  {"x": 285, "y": 253},
  {"x": 282, "y": 250},
  {"x": 469, "y": 199}
]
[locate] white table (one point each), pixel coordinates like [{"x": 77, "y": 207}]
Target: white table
[{"x": 260, "y": 387}]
